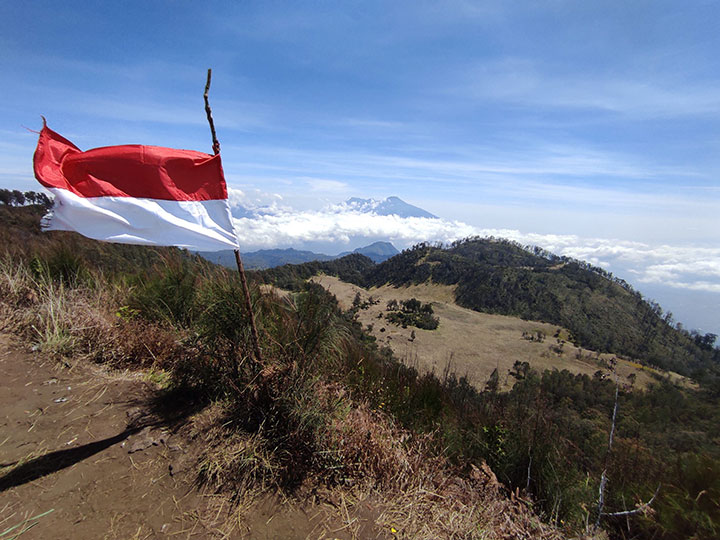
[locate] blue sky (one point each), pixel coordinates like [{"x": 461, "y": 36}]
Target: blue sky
[{"x": 592, "y": 128}]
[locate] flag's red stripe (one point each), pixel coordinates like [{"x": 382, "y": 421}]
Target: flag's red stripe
[{"x": 148, "y": 172}]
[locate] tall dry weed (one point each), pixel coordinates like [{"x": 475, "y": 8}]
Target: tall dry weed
[{"x": 85, "y": 320}]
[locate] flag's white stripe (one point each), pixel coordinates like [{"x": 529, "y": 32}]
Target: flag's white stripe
[{"x": 196, "y": 225}]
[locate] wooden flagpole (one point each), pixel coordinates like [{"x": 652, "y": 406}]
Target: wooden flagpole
[{"x": 241, "y": 269}]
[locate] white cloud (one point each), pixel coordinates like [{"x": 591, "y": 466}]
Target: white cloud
[
  {"x": 284, "y": 229},
  {"x": 257, "y": 201},
  {"x": 273, "y": 225}
]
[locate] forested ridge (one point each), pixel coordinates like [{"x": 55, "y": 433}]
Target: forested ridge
[{"x": 491, "y": 275}]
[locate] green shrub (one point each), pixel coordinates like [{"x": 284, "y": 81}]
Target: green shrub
[
  {"x": 61, "y": 264},
  {"x": 168, "y": 294},
  {"x": 412, "y": 312}
]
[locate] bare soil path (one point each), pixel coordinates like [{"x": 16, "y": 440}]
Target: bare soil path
[
  {"x": 81, "y": 458},
  {"x": 74, "y": 448}
]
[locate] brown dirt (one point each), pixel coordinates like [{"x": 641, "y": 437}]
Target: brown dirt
[
  {"x": 79, "y": 449},
  {"x": 473, "y": 344},
  {"x": 66, "y": 448}
]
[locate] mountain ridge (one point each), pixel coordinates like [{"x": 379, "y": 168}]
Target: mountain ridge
[
  {"x": 392, "y": 205},
  {"x": 499, "y": 276},
  {"x": 269, "y": 258},
  {"x": 387, "y": 207}
]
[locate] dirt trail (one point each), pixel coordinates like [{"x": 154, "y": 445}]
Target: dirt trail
[
  {"x": 72, "y": 443},
  {"x": 77, "y": 454}
]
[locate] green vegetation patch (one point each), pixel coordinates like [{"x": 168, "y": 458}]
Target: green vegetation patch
[{"x": 412, "y": 312}]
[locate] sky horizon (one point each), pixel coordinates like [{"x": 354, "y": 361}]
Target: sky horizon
[{"x": 587, "y": 128}]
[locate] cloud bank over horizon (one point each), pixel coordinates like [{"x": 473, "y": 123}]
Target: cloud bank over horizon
[{"x": 268, "y": 222}]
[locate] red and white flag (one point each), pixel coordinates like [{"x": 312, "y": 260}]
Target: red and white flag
[{"x": 135, "y": 194}]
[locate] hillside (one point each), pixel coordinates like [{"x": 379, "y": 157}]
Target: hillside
[
  {"x": 21, "y": 237},
  {"x": 475, "y": 344},
  {"x": 602, "y": 313},
  {"x": 350, "y": 268},
  {"x": 546, "y": 399}
]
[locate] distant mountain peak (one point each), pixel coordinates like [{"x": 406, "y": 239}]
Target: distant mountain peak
[
  {"x": 387, "y": 207},
  {"x": 377, "y": 251}
]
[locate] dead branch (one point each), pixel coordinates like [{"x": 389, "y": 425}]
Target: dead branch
[
  {"x": 603, "y": 477},
  {"x": 208, "y": 112},
  {"x": 637, "y": 510},
  {"x": 240, "y": 267}
]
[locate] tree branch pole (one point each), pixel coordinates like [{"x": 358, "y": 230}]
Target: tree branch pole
[
  {"x": 603, "y": 478},
  {"x": 208, "y": 112},
  {"x": 241, "y": 269}
]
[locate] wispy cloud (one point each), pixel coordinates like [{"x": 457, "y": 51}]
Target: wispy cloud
[
  {"x": 551, "y": 174},
  {"x": 236, "y": 115},
  {"x": 531, "y": 84},
  {"x": 326, "y": 185},
  {"x": 457, "y": 163}
]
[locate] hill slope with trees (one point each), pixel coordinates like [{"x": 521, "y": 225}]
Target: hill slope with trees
[
  {"x": 603, "y": 313},
  {"x": 318, "y": 417}
]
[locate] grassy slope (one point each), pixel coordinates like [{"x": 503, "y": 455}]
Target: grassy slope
[
  {"x": 474, "y": 344},
  {"x": 602, "y": 313},
  {"x": 21, "y": 237}
]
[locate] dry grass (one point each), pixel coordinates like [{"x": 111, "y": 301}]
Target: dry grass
[
  {"x": 85, "y": 321},
  {"x": 390, "y": 487},
  {"x": 472, "y": 343},
  {"x": 457, "y": 508}
]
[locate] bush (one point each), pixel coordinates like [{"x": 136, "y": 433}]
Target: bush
[
  {"x": 412, "y": 312},
  {"x": 61, "y": 263},
  {"x": 168, "y": 295}
]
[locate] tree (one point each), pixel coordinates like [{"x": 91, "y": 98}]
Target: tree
[
  {"x": 43, "y": 200},
  {"x": 520, "y": 370},
  {"x": 707, "y": 341},
  {"x": 412, "y": 305},
  {"x": 493, "y": 383},
  {"x": 18, "y": 197}
]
